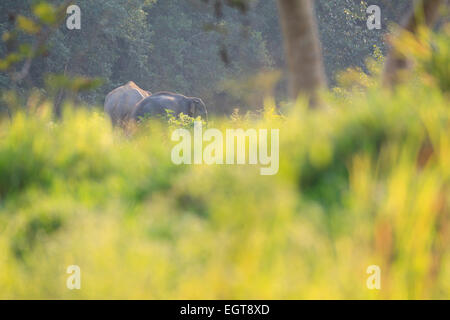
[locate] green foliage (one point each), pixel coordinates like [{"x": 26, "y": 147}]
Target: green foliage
[
  {"x": 183, "y": 46},
  {"x": 436, "y": 63},
  {"x": 73, "y": 84},
  {"x": 182, "y": 121},
  {"x": 364, "y": 182},
  {"x": 345, "y": 37},
  {"x": 45, "y": 12}
]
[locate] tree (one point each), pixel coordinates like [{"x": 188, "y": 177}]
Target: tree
[
  {"x": 346, "y": 40},
  {"x": 302, "y": 48},
  {"x": 168, "y": 45}
]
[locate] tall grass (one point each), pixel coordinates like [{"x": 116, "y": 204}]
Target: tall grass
[{"x": 363, "y": 182}]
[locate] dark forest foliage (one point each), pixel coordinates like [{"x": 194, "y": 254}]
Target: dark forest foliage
[{"x": 193, "y": 47}]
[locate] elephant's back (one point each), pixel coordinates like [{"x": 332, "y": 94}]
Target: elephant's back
[
  {"x": 124, "y": 99},
  {"x": 129, "y": 92},
  {"x": 140, "y": 92},
  {"x": 153, "y": 105}
]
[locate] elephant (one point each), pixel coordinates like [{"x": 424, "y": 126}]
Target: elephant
[
  {"x": 156, "y": 105},
  {"x": 120, "y": 102}
]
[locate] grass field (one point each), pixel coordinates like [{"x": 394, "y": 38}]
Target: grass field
[{"x": 365, "y": 181}]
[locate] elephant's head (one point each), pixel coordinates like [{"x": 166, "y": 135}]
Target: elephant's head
[{"x": 198, "y": 108}]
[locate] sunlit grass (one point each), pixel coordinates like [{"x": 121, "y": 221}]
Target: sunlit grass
[
  {"x": 364, "y": 181},
  {"x": 361, "y": 183}
]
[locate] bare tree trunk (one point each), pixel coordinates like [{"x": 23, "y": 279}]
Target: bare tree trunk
[
  {"x": 425, "y": 12},
  {"x": 302, "y": 48}
]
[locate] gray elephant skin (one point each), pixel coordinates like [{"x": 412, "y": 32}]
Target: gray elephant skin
[
  {"x": 158, "y": 103},
  {"x": 120, "y": 102}
]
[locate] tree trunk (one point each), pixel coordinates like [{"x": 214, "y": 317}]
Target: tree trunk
[
  {"x": 425, "y": 12},
  {"x": 302, "y": 48}
]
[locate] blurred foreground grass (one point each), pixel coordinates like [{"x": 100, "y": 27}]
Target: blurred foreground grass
[{"x": 363, "y": 182}]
